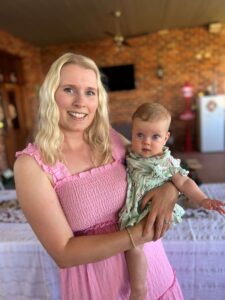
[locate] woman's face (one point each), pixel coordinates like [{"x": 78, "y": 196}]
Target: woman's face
[{"x": 76, "y": 97}]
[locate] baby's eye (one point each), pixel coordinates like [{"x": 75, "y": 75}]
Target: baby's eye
[
  {"x": 140, "y": 135},
  {"x": 156, "y": 137}
]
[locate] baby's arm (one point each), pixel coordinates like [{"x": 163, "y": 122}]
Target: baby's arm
[{"x": 190, "y": 189}]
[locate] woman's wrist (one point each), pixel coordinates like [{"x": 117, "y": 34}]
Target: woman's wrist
[
  {"x": 131, "y": 237},
  {"x": 174, "y": 190},
  {"x": 136, "y": 232}
]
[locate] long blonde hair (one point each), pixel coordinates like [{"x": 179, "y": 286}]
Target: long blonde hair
[{"x": 49, "y": 137}]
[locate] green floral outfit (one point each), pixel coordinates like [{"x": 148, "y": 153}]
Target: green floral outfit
[{"x": 144, "y": 174}]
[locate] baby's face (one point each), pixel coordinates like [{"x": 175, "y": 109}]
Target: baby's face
[{"x": 149, "y": 137}]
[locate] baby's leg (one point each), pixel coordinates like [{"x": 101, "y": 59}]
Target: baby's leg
[{"x": 137, "y": 268}]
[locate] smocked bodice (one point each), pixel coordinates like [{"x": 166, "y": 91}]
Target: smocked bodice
[
  {"x": 91, "y": 201},
  {"x": 91, "y": 198}
]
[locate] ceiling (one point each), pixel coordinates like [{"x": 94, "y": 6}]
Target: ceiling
[{"x": 47, "y": 22}]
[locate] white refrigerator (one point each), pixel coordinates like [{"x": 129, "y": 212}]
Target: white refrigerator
[{"x": 211, "y": 115}]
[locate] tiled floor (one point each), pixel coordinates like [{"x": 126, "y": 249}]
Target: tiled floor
[{"x": 212, "y": 165}]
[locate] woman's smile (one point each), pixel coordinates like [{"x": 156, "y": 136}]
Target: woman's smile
[{"x": 77, "y": 115}]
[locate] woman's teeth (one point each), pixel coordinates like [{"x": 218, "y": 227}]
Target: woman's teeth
[{"x": 77, "y": 115}]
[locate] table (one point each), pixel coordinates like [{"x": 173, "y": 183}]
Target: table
[
  {"x": 26, "y": 270},
  {"x": 196, "y": 250}
]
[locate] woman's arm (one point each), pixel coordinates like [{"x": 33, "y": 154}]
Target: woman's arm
[
  {"x": 44, "y": 213},
  {"x": 163, "y": 200}
]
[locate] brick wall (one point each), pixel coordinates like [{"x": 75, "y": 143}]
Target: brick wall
[
  {"x": 3, "y": 160},
  {"x": 192, "y": 55}
]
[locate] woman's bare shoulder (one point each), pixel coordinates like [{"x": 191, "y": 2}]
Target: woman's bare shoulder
[
  {"x": 27, "y": 167},
  {"x": 29, "y": 176},
  {"x": 24, "y": 161}
]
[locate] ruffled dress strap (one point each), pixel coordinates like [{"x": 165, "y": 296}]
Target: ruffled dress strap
[
  {"x": 57, "y": 171},
  {"x": 118, "y": 148}
]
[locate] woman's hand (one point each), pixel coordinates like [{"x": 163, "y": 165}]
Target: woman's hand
[{"x": 162, "y": 200}]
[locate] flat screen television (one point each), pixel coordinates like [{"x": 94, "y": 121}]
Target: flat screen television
[{"x": 118, "y": 78}]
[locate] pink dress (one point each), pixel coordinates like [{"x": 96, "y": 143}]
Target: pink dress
[{"x": 91, "y": 201}]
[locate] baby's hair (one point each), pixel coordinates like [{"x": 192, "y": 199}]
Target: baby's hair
[{"x": 152, "y": 112}]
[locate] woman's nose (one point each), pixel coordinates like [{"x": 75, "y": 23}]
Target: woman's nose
[{"x": 78, "y": 100}]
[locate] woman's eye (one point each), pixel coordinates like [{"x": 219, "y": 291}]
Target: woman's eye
[
  {"x": 90, "y": 93},
  {"x": 68, "y": 90}
]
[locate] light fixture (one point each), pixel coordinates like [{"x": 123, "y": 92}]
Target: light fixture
[
  {"x": 203, "y": 55},
  {"x": 215, "y": 27},
  {"x": 160, "y": 72}
]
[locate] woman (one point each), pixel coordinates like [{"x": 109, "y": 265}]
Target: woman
[{"x": 71, "y": 184}]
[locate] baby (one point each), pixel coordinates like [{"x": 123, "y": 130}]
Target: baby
[{"x": 149, "y": 165}]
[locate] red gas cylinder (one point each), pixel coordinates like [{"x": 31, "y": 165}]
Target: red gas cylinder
[
  {"x": 187, "y": 115},
  {"x": 187, "y": 93}
]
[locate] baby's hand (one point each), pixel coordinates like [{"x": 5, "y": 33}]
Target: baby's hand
[{"x": 213, "y": 204}]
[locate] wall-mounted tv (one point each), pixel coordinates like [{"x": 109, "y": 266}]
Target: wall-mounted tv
[{"x": 118, "y": 78}]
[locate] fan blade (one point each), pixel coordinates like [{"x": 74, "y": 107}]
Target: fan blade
[{"x": 137, "y": 35}]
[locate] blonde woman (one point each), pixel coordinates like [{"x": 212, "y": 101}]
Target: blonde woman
[{"x": 71, "y": 184}]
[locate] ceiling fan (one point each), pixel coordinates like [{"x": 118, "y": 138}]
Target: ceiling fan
[{"x": 118, "y": 37}]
